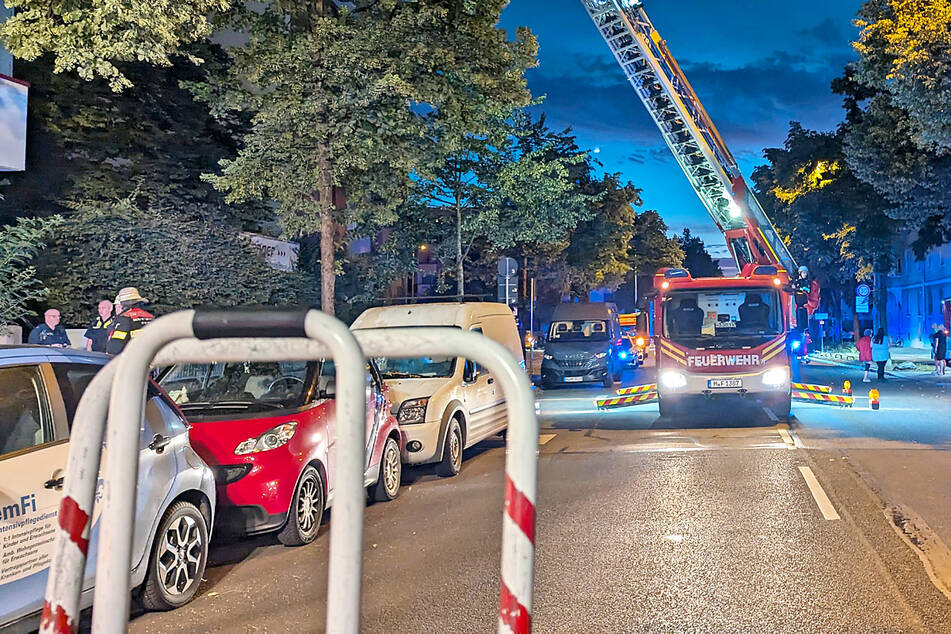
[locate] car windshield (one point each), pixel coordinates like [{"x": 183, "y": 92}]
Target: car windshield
[
  {"x": 417, "y": 367},
  {"x": 579, "y": 330},
  {"x": 722, "y": 317},
  {"x": 258, "y": 386}
]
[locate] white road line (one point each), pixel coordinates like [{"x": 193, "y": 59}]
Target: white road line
[
  {"x": 819, "y": 495},
  {"x": 784, "y": 434},
  {"x": 544, "y": 438}
]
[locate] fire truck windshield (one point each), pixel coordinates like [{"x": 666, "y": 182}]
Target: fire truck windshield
[{"x": 725, "y": 317}]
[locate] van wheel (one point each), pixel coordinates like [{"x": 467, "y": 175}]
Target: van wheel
[
  {"x": 306, "y": 511},
  {"x": 387, "y": 485},
  {"x": 179, "y": 556},
  {"x": 451, "y": 463}
]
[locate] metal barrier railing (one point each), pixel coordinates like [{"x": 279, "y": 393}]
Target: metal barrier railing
[{"x": 201, "y": 337}]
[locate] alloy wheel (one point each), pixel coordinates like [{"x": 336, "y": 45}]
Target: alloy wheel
[{"x": 180, "y": 556}]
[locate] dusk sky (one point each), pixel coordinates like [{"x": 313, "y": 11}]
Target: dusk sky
[{"x": 756, "y": 65}]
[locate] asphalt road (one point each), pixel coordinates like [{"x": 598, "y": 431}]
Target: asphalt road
[{"x": 644, "y": 524}]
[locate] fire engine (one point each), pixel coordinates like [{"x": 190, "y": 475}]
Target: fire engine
[{"x": 713, "y": 337}]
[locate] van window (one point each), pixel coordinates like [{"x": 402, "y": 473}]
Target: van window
[
  {"x": 25, "y": 419},
  {"x": 416, "y": 368},
  {"x": 579, "y": 330}
]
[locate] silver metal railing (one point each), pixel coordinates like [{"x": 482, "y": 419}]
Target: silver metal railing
[{"x": 236, "y": 336}]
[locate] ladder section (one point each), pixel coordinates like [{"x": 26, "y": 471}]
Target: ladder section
[{"x": 688, "y": 131}]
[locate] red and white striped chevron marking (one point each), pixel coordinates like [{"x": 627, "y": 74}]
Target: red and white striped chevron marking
[{"x": 518, "y": 555}]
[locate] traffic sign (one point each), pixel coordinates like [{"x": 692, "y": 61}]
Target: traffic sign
[
  {"x": 512, "y": 294},
  {"x": 821, "y": 316},
  {"x": 508, "y": 267},
  {"x": 862, "y": 295}
]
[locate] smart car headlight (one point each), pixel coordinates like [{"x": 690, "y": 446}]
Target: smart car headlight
[
  {"x": 413, "y": 411},
  {"x": 271, "y": 439},
  {"x": 775, "y": 377},
  {"x": 672, "y": 379}
]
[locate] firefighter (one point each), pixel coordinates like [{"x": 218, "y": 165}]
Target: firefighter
[
  {"x": 805, "y": 290},
  {"x": 131, "y": 317}
]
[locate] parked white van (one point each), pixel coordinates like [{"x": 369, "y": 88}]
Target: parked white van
[{"x": 445, "y": 404}]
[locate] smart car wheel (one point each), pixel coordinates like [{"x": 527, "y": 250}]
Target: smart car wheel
[
  {"x": 306, "y": 511},
  {"x": 179, "y": 556},
  {"x": 387, "y": 485},
  {"x": 452, "y": 453}
]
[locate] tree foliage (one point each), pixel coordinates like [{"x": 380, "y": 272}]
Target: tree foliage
[
  {"x": 897, "y": 135},
  {"x": 93, "y": 37},
  {"x": 174, "y": 260},
  {"x": 905, "y": 48},
  {"x": 87, "y": 143},
  {"x": 357, "y": 99},
  {"x": 697, "y": 259},
  {"x": 19, "y": 286},
  {"x": 514, "y": 188},
  {"x": 832, "y": 222}
]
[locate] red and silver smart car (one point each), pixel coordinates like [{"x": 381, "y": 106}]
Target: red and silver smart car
[{"x": 268, "y": 431}]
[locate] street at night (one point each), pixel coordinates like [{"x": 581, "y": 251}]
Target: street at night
[
  {"x": 462, "y": 316},
  {"x": 645, "y": 524}
]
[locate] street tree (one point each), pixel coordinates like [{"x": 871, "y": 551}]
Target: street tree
[
  {"x": 513, "y": 188},
  {"x": 95, "y": 37},
  {"x": 897, "y": 136},
  {"x": 19, "y": 285},
  {"x": 697, "y": 259},
  {"x": 355, "y": 98},
  {"x": 831, "y": 221},
  {"x": 905, "y": 54}
]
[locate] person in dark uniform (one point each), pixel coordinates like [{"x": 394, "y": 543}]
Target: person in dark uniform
[
  {"x": 131, "y": 318},
  {"x": 49, "y": 333},
  {"x": 98, "y": 332}
]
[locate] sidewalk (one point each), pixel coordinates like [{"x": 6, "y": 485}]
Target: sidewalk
[{"x": 899, "y": 366}]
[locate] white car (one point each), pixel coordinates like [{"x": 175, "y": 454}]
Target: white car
[
  {"x": 445, "y": 404},
  {"x": 40, "y": 388}
]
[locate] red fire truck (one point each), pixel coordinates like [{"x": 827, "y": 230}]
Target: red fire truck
[
  {"x": 720, "y": 336},
  {"x": 728, "y": 336}
]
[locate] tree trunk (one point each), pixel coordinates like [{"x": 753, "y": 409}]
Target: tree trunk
[
  {"x": 460, "y": 272},
  {"x": 328, "y": 231}
]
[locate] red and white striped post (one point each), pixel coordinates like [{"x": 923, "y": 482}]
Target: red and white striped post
[{"x": 521, "y": 451}]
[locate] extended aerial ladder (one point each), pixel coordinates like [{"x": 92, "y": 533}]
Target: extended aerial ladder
[{"x": 689, "y": 132}]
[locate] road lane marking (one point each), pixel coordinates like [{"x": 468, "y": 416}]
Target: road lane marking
[
  {"x": 784, "y": 434},
  {"x": 544, "y": 438},
  {"x": 818, "y": 494}
]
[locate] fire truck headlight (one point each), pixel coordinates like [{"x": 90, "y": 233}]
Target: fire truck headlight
[
  {"x": 673, "y": 380},
  {"x": 775, "y": 377}
]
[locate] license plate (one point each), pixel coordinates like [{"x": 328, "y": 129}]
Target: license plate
[
  {"x": 574, "y": 379},
  {"x": 715, "y": 383}
]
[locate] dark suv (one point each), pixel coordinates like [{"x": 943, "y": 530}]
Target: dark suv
[{"x": 584, "y": 345}]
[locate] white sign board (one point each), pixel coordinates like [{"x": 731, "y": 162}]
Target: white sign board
[
  {"x": 13, "y": 100},
  {"x": 280, "y": 254}
]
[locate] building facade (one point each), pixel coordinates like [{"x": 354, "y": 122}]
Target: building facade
[{"x": 919, "y": 295}]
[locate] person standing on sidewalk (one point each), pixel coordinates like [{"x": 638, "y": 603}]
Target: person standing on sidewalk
[
  {"x": 932, "y": 340},
  {"x": 940, "y": 350},
  {"x": 131, "y": 317},
  {"x": 864, "y": 345},
  {"x": 97, "y": 335},
  {"x": 880, "y": 354}
]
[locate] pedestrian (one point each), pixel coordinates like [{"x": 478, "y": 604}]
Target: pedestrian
[
  {"x": 880, "y": 354},
  {"x": 131, "y": 317},
  {"x": 49, "y": 333},
  {"x": 932, "y": 338},
  {"x": 97, "y": 335},
  {"x": 940, "y": 350},
  {"x": 864, "y": 345}
]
